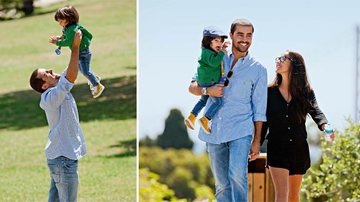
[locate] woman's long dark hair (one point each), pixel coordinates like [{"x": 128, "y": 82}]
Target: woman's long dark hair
[{"x": 299, "y": 87}]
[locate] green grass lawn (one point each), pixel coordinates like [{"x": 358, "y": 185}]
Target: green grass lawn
[{"x": 108, "y": 171}]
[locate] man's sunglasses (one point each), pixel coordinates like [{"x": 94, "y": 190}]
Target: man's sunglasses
[
  {"x": 283, "y": 58},
  {"x": 228, "y": 76}
]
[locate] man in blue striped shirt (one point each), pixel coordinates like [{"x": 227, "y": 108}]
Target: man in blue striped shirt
[
  {"x": 66, "y": 143},
  {"x": 236, "y": 127}
]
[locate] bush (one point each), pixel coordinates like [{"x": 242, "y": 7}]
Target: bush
[
  {"x": 12, "y": 9},
  {"x": 187, "y": 174},
  {"x": 151, "y": 190},
  {"x": 337, "y": 178},
  {"x": 181, "y": 181}
]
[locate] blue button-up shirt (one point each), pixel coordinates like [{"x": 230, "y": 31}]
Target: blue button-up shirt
[
  {"x": 65, "y": 137},
  {"x": 244, "y": 101}
]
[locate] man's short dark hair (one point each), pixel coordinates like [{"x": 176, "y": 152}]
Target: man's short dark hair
[
  {"x": 68, "y": 13},
  {"x": 241, "y": 22},
  {"x": 35, "y": 82}
]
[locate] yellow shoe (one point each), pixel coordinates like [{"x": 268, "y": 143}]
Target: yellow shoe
[
  {"x": 97, "y": 90},
  {"x": 205, "y": 124},
  {"x": 90, "y": 84},
  {"x": 190, "y": 121}
]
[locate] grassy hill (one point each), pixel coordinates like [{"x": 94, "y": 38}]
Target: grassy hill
[{"x": 108, "y": 171}]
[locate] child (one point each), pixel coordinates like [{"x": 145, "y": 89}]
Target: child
[
  {"x": 68, "y": 18},
  {"x": 209, "y": 73}
]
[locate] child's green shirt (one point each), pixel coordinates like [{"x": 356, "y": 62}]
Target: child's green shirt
[
  {"x": 69, "y": 33},
  {"x": 209, "y": 69}
]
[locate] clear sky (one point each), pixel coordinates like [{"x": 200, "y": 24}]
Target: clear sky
[{"x": 170, "y": 34}]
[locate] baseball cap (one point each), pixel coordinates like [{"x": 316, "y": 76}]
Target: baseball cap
[{"x": 213, "y": 32}]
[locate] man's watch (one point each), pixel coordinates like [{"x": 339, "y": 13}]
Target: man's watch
[{"x": 204, "y": 91}]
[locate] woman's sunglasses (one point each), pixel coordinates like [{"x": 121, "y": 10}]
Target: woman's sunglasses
[{"x": 283, "y": 58}]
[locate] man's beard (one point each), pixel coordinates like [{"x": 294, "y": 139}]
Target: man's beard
[{"x": 240, "y": 49}]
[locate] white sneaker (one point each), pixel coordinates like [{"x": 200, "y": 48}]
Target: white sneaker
[{"x": 97, "y": 90}]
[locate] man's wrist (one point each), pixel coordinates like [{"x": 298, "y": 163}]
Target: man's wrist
[{"x": 204, "y": 91}]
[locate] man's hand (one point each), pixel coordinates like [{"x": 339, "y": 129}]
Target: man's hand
[
  {"x": 254, "y": 150},
  {"x": 255, "y": 145},
  {"x": 215, "y": 91},
  {"x": 77, "y": 38}
]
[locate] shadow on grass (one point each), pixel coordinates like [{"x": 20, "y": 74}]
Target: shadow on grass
[
  {"x": 127, "y": 147},
  {"x": 20, "y": 109}
]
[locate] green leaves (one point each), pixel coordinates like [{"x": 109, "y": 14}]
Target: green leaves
[{"x": 337, "y": 177}]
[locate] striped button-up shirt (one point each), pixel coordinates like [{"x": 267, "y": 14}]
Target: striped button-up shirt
[{"x": 65, "y": 136}]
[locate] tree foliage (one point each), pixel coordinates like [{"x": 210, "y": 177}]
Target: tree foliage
[
  {"x": 147, "y": 142},
  {"x": 11, "y": 9},
  {"x": 187, "y": 174},
  {"x": 338, "y": 176},
  {"x": 153, "y": 191},
  {"x": 175, "y": 134}
]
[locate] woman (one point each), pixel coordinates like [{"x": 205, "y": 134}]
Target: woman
[{"x": 290, "y": 99}]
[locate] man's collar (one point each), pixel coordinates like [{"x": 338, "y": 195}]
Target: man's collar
[{"x": 230, "y": 54}]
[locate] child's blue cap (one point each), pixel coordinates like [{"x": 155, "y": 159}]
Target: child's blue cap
[{"x": 213, "y": 32}]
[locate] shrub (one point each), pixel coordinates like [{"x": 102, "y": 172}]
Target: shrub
[{"x": 337, "y": 178}]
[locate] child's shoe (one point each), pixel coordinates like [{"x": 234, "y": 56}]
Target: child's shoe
[
  {"x": 90, "y": 84},
  {"x": 205, "y": 124},
  {"x": 190, "y": 121},
  {"x": 97, "y": 90}
]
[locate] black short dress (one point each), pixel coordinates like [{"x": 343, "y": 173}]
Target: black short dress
[{"x": 287, "y": 146}]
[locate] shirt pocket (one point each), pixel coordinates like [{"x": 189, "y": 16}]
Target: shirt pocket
[{"x": 243, "y": 90}]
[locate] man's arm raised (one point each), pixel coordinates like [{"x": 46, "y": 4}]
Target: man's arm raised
[{"x": 73, "y": 67}]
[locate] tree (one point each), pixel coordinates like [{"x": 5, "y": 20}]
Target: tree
[
  {"x": 175, "y": 134},
  {"x": 147, "y": 142},
  {"x": 13, "y": 9},
  {"x": 28, "y": 7},
  {"x": 188, "y": 175}
]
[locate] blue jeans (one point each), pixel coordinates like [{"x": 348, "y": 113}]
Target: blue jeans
[
  {"x": 84, "y": 66},
  {"x": 64, "y": 179},
  {"x": 229, "y": 165},
  {"x": 213, "y": 108}
]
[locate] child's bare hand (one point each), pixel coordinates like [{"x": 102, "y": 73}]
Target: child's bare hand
[
  {"x": 53, "y": 39},
  {"x": 224, "y": 46}
]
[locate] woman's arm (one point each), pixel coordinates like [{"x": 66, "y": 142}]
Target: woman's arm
[{"x": 315, "y": 112}]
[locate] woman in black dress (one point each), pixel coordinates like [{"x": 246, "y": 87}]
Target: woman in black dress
[{"x": 290, "y": 99}]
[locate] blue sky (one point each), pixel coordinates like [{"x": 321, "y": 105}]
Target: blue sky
[{"x": 170, "y": 33}]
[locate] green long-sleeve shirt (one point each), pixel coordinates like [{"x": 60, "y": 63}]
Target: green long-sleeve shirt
[
  {"x": 69, "y": 33},
  {"x": 209, "y": 69}
]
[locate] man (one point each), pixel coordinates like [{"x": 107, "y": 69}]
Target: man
[
  {"x": 236, "y": 127},
  {"x": 66, "y": 143}
]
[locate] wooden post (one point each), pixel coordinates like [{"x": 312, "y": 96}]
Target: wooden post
[
  {"x": 260, "y": 186},
  {"x": 250, "y": 186}
]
